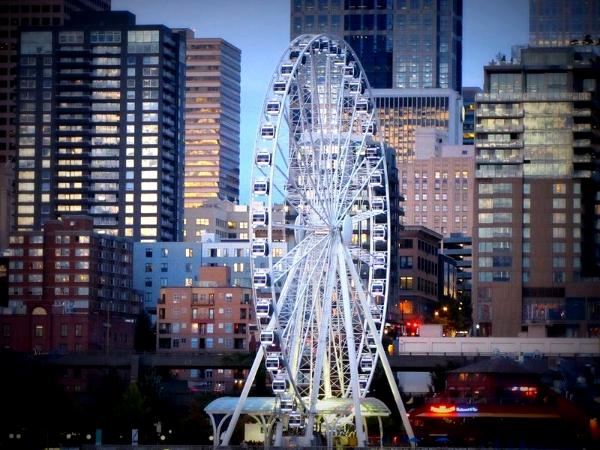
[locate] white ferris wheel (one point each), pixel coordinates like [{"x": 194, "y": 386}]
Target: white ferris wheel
[{"x": 321, "y": 307}]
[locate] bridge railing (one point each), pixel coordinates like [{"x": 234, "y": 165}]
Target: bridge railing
[{"x": 468, "y": 346}]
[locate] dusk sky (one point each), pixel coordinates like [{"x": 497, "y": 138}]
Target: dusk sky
[{"x": 261, "y": 29}]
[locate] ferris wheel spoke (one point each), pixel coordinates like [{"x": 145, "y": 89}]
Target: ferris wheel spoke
[{"x": 295, "y": 257}]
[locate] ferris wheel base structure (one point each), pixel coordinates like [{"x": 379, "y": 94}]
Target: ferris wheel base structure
[{"x": 321, "y": 307}]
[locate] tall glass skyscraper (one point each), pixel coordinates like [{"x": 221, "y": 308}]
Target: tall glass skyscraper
[
  {"x": 537, "y": 212},
  {"x": 100, "y": 115},
  {"x": 558, "y": 22},
  {"x": 400, "y": 43}
]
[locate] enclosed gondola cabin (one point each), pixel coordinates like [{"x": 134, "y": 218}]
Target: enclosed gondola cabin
[
  {"x": 261, "y": 187},
  {"x": 286, "y": 404},
  {"x": 376, "y": 179},
  {"x": 280, "y": 385},
  {"x": 377, "y": 287},
  {"x": 295, "y": 420},
  {"x": 379, "y": 233},
  {"x": 260, "y": 248},
  {"x": 279, "y": 87},
  {"x": 366, "y": 363},
  {"x": 263, "y": 158},
  {"x": 373, "y": 152},
  {"x": 378, "y": 205},
  {"x": 268, "y": 337},
  {"x": 286, "y": 70},
  {"x": 261, "y": 279},
  {"x": 263, "y": 308},
  {"x": 273, "y": 107},
  {"x": 260, "y": 218},
  {"x": 267, "y": 132},
  {"x": 273, "y": 363}
]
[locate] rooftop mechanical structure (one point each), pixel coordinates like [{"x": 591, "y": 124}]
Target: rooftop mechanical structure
[{"x": 321, "y": 307}]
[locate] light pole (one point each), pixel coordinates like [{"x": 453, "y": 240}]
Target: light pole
[{"x": 107, "y": 325}]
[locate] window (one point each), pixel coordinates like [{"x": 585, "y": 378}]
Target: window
[
  {"x": 189, "y": 252},
  {"x": 39, "y": 331}
]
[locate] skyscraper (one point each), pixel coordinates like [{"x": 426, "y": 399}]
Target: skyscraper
[
  {"x": 100, "y": 111},
  {"x": 15, "y": 14},
  {"x": 402, "y": 111},
  {"x": 212, "y": 121},
  {"x": 558, "y": 22},
  {"x": 537, "y": 214},
  {"x": 401, "y": 43}
]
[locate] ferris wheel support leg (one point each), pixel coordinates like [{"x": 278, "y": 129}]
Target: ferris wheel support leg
[
  {"x": 360, "y": 432},
  {"x": 382, "y": 355},
  {"x": 243, "y": 396},
  {"x": 321, "y": 347}
]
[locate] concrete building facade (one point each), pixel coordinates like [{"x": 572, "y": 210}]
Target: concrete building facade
[
  {"x": 438, "y": 184},
  {"x": 536, "y": 245}
]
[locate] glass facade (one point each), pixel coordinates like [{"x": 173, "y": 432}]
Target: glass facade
[
  {"x": 560, "y": 22},
  {"x": 92, "y": 136},
  {"x": 537, "y": 239},
  {"x": 401, "y": 111},
  {"x": 400, "y": 43}
]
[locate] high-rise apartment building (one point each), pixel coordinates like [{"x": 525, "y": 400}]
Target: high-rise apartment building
[
  {"x": 100, "y": 114},
  {"x": 536, "y": 245},
  {"x": 212, "y": 121},
  {"x": 400, "y": 43},
  {"x": 558, "y": 22},
  {"x": 13, "y": 15},
  {"x": 402, "y": 111}
]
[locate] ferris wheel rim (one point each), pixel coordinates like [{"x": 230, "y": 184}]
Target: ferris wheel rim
[{"x": 309, "y": 40}]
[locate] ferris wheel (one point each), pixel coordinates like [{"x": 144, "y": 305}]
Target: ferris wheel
[{"x": 320, "y": 182}]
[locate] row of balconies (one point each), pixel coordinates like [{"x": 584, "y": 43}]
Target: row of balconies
[
  {"x": 514, "y": 143},
  {"x": 485, "y": 97}
]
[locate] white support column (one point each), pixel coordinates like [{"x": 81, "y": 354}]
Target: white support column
[
  {"x": 322, "y": 341},
  {"x": 244, "y": 395},
  {"x": 360, "y": 432},
  {"x": 382, "y": 355}
]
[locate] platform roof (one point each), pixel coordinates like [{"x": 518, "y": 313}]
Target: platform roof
[{"x": 370, "y": 407}]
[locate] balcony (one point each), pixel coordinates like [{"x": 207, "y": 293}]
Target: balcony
[
  {"x": 514, "y": 143},
  {"x": 485, "y": 160},
  {"x": 501, "y": 114},
  {"x": 510, "y": 129},
  {"x": 485, "y": 97},
  {"x": 585, "y": 112},
  {"x": 582, "y": 127},
  {"x": 582, "y": 143}
]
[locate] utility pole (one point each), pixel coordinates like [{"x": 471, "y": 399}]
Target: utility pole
[{"x": 107, "y": 325}]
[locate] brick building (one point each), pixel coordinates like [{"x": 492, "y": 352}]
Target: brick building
[
  {"x": 67, "y": 285},
  {"x": 215, "y": 317}
]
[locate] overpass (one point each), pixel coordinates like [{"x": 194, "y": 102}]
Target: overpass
[{"x": 410, "y": 354}]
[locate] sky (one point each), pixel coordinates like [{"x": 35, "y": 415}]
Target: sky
[{"x": 260, "y": 29}]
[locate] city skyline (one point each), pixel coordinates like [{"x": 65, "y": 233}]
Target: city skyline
[{"x": 262, "y": 34}]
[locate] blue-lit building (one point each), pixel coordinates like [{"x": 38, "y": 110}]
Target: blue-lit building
[
  {"x": 177, "y": 264},
  {"x": 163, "y": 264}
]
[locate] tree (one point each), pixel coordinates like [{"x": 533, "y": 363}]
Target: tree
[{"x": 144, "y": 339}]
